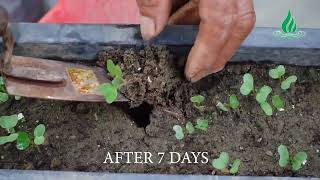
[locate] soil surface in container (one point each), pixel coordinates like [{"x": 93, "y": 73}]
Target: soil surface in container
[{"x": 80, "y": 135}]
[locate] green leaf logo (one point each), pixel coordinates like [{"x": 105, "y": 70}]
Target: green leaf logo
[{"x": 289, "y": 25}]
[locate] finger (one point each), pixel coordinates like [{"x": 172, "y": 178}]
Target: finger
[
  {"x": 187, "y": 14},
  {"x": 245, "y": 23},
  {"x": 217, "y": 19},
  {"x": 154, "y": 16}
]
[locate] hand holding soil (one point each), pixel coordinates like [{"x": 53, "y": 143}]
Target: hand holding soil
[{"x": 224, "y": 25}]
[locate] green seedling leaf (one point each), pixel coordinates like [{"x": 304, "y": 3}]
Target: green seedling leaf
[
  {"x": 285, "y": 85},
  {"x": 39, "y": 130},
  {"x": 284, "y": 156},
  {"x": 23, "y": 141},
  {"x": 235, "y": 166},
  {"x": 17, "y": 98},
  {"x": 113, "y": 69},
  {"x": 4, "y": 97},
  {"x": 233, "y": 102},
  {"x": 263, "y": 94},
  {"x": 222, "y": 107},
  {"x": 200, "y": 108},
  {"x": 109, "y": 92},
  {"x": 117, "y": 82},
  {"x": 202, "y": 124},
  {"x": 1, "y": 81},
  {"x": 298, "y": 160},
  {"x": 179, "y": 132},
  {"x": 197, "y": 99},
  {"x": 278, "y": 102},
  {"x": 8, "y": 122},
  {"x": 7, "y": 139},
  {"x": 222, "y": 162},
  {"x": 190, "y": 128},
  {"x": 265, "y": 106},
  {"x": 247, "y": 86},
  {"x": 39, "y": 140},
  {"x": 278, "y": 72}
]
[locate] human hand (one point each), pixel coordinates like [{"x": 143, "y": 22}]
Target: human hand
[{"x": 224, "y": 25}]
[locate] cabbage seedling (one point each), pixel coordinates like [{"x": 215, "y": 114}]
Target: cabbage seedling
[
  {"x": 297, "y": 161},
  {"x": 278, "y": 72},
  {"x": 39, "y": 134},
  {"x": 233, "y": 104},
  {"x": 4, "y": 97},
  {"x": 202, "y": 124},
  {"x": 110, "y": 90},
  {"x": 278, "y": 102},
  {"x": 262, "y": 97},
  {"x": 248, "y": 84},
  {"x": 286, "y": 84},
  {"x": 190, "y": 128},
  {"x": 197, "y": 102},
  {"x": 222, "y": 162},
  {"x": 179, "y": 132},
  {"x": 22, "y": 138}
]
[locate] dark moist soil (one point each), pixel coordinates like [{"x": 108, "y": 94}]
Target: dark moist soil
[{"x": 80, "y": 135}]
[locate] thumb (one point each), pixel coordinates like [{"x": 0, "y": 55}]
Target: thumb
[{"x": 154, "y": 16}]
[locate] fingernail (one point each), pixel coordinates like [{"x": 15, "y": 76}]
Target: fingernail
[{"x": 148, "y": 27}]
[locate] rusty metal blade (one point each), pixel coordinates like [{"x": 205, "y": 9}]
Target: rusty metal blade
[{"x": 48, "y": 79}]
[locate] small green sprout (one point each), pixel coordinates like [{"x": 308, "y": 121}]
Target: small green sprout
[
  {"x": 22, "y": 138},
  {"x": 278, "y": 103},
  {"x": 39, "y": 134},
  {"x": 285, "y": 85},
  {"x": 179, "y": 132},
  {"x": 202, "y": 124},
  {"x": 267, "y": 109},
  {"x": 110, "y": 90},
  {"x": 190, "y": 128},
  {"x": 222, "y": 163},
  {"x": 262, "y": 97},
  {"x": 197, "y": 102},
  {"x": 4, "y": 97},
  {"x": 278, "y": 72},
  {"x": 17, "y": 98},
  {"x": 248, "y": 85},
  {"x": 222, "y": 107},
  {"x": 233, "y": 104},
  {"x": 296, "y": 162},
  {"x": 263, "y": 94}
]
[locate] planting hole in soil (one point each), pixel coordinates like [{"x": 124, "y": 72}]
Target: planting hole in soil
[{"x": 254, "y": 116}]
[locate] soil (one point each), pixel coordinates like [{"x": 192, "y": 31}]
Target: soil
[{"x": 80, "y": 135}]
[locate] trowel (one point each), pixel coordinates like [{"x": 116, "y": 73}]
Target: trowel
[{"x": 48, "y": 79}]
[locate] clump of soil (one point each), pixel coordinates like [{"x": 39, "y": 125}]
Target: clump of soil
[
  {"x": 81, "y": 134},
  {"x": 153, "y": 75}
]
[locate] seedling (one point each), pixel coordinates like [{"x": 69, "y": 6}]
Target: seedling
[
  {"x": 22, "y": 138},
  {"x": 297, "y": 161},
  {"x": 4, "y": 97},
  {"x": 110, "y": 90},
  {"x": 278, "y": 73},
  {"x": 202, "y": 124},
  {"x": 233, "y": 104},
  {"x": 190, "y": 128},
  {"x": 262, "y": 97},
  {"x": 278, "y": 102},
  {"x": 179, "y": 132},
  {"x": 197, "y": 102},
  {"x": 223, "y": 161},
  {"x": 248, "y": 85}
]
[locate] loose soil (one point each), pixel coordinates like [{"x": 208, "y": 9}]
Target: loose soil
[{"x": 79, "y": 135}]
